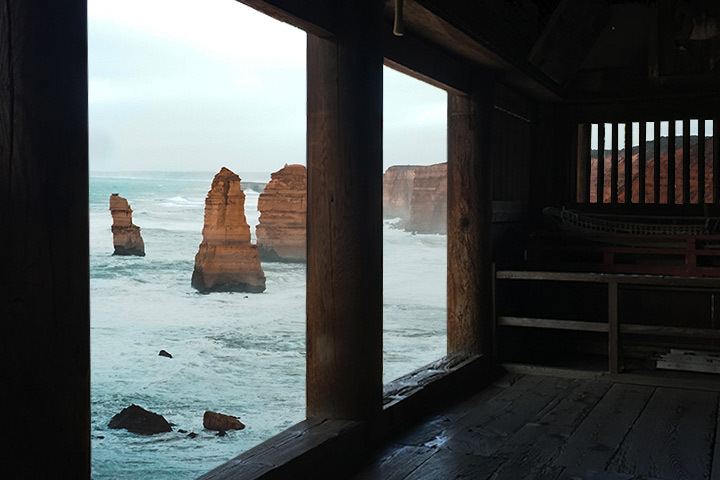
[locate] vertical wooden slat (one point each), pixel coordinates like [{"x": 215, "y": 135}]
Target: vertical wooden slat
[
  {"x": 701, "y": 161},
  {"x": 470, "y": 321},
  {"x": 583, "y": 163},
  {"x": 628, "y": 162},
  {"x": 614, "y": 164},
  {"x": 614, "y": 348},
  {"x": 344, "y": 216},
  {"x": 600, "y": 187},
  {"x": 45, "y": 283},
  {"x": 716, "y": 159},
  {"x": 686, "y": 162},
  {"x": 642, "y": 145},
  {"x": 656, "y": 161},
  {"x": 671, "y": 162}
]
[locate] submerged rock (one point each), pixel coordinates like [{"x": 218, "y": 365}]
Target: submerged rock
[
  {"x": 282, "y": 207},
  {"x": 226, "y": 260},
  {"x": 136, "y": 419},
  {"x": 221, "y": 422},
  {"x": 163, "y": 353},
  {"x": 126, "y": 236}
]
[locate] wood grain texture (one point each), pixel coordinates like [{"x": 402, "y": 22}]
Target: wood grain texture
[
  {"x": 715, "y": 468},
  {"x": 671, "y": 175},
  {"x": 593, "y": 444},
  {"x": 614, "y": 163},
  {"x": 600, "y": 185},
  {"x": 344, "y": 218},
  {"x": 44, "y": 256},
  {"x": 470, "y": 321},
  {"x": 628, "y": 164},
  {"x": 584, "y": 162},
  {"x": 529, "y": 458},
  {"x": 686, "y": 161},
  {"x": 701, "y": 161},
  {"x": 447, "y": 464},
  {"x": 395, "y": 462},
  {"x": 656, "y": 162},
  {"x": 642, "y": 162},
  {"x": 672, "y": 438}
]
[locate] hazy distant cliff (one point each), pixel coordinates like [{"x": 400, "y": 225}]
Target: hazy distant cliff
[
  {"x": 282, "y": 207},
  {"x": 418, "y": 196},
  {"x": 226, "y": 260}
]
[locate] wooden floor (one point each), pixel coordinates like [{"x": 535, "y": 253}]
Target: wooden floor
[{"x": 535, "y": 427}]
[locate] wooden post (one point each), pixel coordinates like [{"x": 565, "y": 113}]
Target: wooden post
[
  {"x": 656, "y": 162},
  {"x": 469, "y": 285},
  {"x": 701, "y": 161},
  {"x": 600, "y": 187},
  {"x": 628, "y": 163},
  {"x": 614, "y": 161},
  {"x": 686, "y": 162},
  {"x": 584, "y": 162},
  {"x": 344, "y": 217},
  {"x": 642, "y": 161},
  {"x": 671, "y": 163},
  {"x": 44, "y": 291},
  {"x": 716, "y": 160},
  {"x": 614, "y": 348}
]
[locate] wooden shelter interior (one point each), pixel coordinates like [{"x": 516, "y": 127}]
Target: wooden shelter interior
[{"x": 556, "y": 338}]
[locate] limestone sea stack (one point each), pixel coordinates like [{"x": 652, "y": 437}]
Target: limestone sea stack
[
  {"x": 397, "y": 191},
  {"x": 226, "y": 260},
  {"x": 429, "y": 200},
  {"x": 282, "y": 206},
  {"x": 126, "y": 236}
]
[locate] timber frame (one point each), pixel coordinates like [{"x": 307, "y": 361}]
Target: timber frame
[{"x": 522, "y": 80}]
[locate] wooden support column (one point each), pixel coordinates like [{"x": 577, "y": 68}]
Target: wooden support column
[
  {"x": 656, "y": 162},
  {"x": 469, "y": 285},
  {"x": 614, "y": 163},
  {"x": 672, "y": 176},
  {"x": 583, "y": 164},
  {"x": 686, "y": 161},
  {"x": 44, "y": 291},
  {"x": 642, "y": 161},
  {"x": 344, "y": 218},
  {"x": 600, "y": 187},
  {"x": 701, "y": 161},
  {"x": 614, "y": 346},
  {"x": 628, "y": 164}
]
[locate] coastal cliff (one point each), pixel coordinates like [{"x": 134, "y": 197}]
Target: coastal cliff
[
  {"x": 126, "y": 236},
  {"x": 226, "y": 260},
  {"x": 398, "y": 190},
  {"x": 283, "y": 206},
  {"x": 418, "y": 196}
]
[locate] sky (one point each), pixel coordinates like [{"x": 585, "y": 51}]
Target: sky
[{"x": 194, "y": 85}]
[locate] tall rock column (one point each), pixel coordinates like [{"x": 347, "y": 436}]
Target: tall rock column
[
  {"x": 283, "y": 207},
  {"x": 226, "y": 260},
  {"x": 126, "y": 236}
]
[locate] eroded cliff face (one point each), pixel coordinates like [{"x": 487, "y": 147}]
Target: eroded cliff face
[
  {"x": 283, "y": 207},
  {"x": 126, "y": 236},
  {"x": 418, "y": 196},
  {"x": 397, "y": 191},
  {"x": 226, "y": 260}
]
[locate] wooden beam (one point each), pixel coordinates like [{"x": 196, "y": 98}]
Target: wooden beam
[
  {"x": 469, "y": 284},
  {"x": 656, "y": 160},
  {"x": 344, "y": 218},
  {"x": 600, "y": 187},
  {"x": 583, "y": 161},
  {"x": 671, "y": 163},
  {"x": 642, "y": 161},
  {"x": 44, "y": 306},
  {"x": 614, "y": 347},
  {"x": 317, "y": 17},
  {"x": 701, "y": 161},
  {"x": 614, "y": 161},
  {"x": 716, "y": 160},
  {"x": 629, "y": 163},
  {"x": 686, "y": 162}
]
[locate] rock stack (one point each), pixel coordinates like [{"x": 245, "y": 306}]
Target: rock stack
[
  {"x": 226, "y": 260},
  {"x": 282, "y": 206},
  {"x": 126, "y": 236}
]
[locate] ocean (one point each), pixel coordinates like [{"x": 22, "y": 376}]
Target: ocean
[{"x": 235, "y": 353}]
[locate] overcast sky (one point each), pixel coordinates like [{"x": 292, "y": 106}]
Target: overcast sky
[{"x": 200, "y": 84}]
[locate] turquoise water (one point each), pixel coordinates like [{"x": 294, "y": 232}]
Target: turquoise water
[{"x": 240, "y": 354}]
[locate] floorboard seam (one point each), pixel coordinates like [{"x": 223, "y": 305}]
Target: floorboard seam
[{"x": 632, "y": 425}]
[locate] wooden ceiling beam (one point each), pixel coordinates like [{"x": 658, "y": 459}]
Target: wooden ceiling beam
[{"x": 317, "y": 17}]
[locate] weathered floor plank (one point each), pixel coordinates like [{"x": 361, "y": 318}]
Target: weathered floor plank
[
  {"x": 530, "y": 457},
  {"x": 672, "y": 438},
  {"x": 396, "y": 463},
  {"x": 484, "y": 429},
  {"x": 715, "y": 470},
  {"x": 446, "y": 464},
  {"x": 595, "y": 441}
]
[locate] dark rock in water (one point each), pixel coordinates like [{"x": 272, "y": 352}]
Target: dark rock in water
[
  {"x": 136, "y": 419},
  {"x": 163, "y": 353},
  {"x": 192, "y": 434},
  {"x": 219, "y": 421},
  {"x": 182, "y": 431},
  {"x": 221, "y": 433}
]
